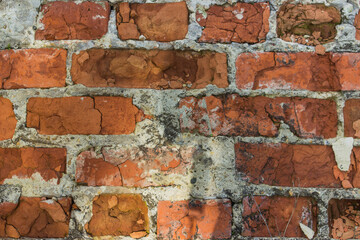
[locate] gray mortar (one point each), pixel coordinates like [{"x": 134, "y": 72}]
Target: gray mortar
[{"x": 214, "y": 164}]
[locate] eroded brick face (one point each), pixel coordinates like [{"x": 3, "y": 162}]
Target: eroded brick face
[
  {"x": 35, "y": 218},
  {"x": 149, "y": 69},
  {"x": 311, "y": 24},
  {"x": 207, "y": 219},
  {"x": 352, "y": 118},
  {"x": 232, "y": 115},
  {"x": 280, "y": 213},
  {"x": 357, "y": 26},
  {"x": 32, "y": 68},
  {"x": 242, "y": 22},
  {"x": 132, "y": 167},
  {"x": 286, "y": 165},
  {"x": 298, "y": 71},
  {"x": 119, "y": 215},
  {"x": 83, "y": 115},
  {"x": 162, "y": 22},
  {"x": 50, "y": 163},
  {"x": 70, "y": 20},
  {"x": 7, "y": 119}
]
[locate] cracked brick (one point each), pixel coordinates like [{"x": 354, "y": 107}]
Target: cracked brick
[
  {"x": 35, "y": 218},
  {"x": 7, "y": 119},
  {"x": 232, "y": 115},
  {"x": 278, "y": 216},
  {"x": 83, "y": 115},
  {"x": 162, "y": 22},
  {"x": 119, "y": 215},
  {"x": 149, "y": 69},
  {"x": 70, "y": 20},
  {"x": 242, "y": 22},
  {"x": 132, "y": 167},
  {"x": 200, "y": 219},
  {"x": 32, "y": 68}
]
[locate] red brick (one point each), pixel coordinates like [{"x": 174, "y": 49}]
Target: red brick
[
  {"x": 50, "y": 163},
  {"x": 286, "y": 165},
  {"x": 357, "y": 25},
  {"x": 162, "y": 22},
  {"x": 311, "y": 24},
  {"x": 36, "y": 218},
  {"x": 351, "y": 118},
  {"x": 280, "y": 213},
  {"x": 115, "y": 215},
  {"x": 351, "y": 178},
  {"x": 232, "y": 115},
  {"x": 126, "y": 166},
  {"x": 32, "y": 68},
  {"x": 203, "y": 219},
  {"x": 83, "y": 115},
  {"x": 149, "y": 69},
  {"x": 298, "y": 71},
  {"x": 243, "y": 23},
  {"x": 7, "y": 119},
  {"x": 69, "y": 20}
]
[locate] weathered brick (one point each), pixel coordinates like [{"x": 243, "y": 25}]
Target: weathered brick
[
  {"x": 131, "y": 167},
  {"x": 203, "y": 219},
  {"x": 70, "y": 20},
  {"x": 35, "y": 218},
  {"x": 115, "y": 215},
  {"x": 303, "y": 71},
  {"x": 242, "y": 22},
  {"x": 83, "y": 115},
  {"x": 32, "y": 68},
  {"x": 232, "y": 115},
  {"x": 352, "y": 118},
  {"x": 351, "y": 178},
  {"x": 155, "y": 21},
  {"x": 7, "y": 119},
  {"x": 282, "y": 216},
  {"x": 149, "y": 69},
  {"x": 286, "y": 165},
  {"x": 357, "y": 26},
  {"x": 311, "y": 24},
  {"x": 50, "y": 163}
]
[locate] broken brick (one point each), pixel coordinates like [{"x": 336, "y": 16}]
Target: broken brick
[
  {"x": 83, "y": 115},
  {"x": 131, "y": 167},
  {"x": 149, "y": 69},
  {"x": 7, "y": 119},
  {"x": 278, "y": 216},
  {"x": 70, "y": 20},
  {"x": 232, "y": 115},
  {"x": 162, "y": 22},
  {"x": 242, "y": 22},
  {"x": 32, "y": 68},
  {"x": 118, "y": 215},
  {"x": 203, "y": 219}
]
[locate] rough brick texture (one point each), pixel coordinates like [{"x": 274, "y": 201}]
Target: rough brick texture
[
  {"x": 7, "y": 119},
  {"x": 357, "y": 26},
  {"x": 282, "y": 216},
  {"x": 162, "y": 22},
  {"x": 207, "y": 219},
  {"x": 50, "y": 163},
  {"x": 83, "y": 115},
  {"x": 242, "y": 22},
  {"x": 286, "y": 165},
  {"x": 149, "y": 69},
  {"x": 70, "y": 20},
  {"x": 352, "y": 118},
  {"x": 131, "y": 167},
  {"x": 32, "y": 68},
  {"x": 298, "y": 71},
  {"x": 35, "y": 218},
  {"x": 116, "y": 215},
  {"x": 311, "y": 24},
  {"x": 232, "y": 115}
]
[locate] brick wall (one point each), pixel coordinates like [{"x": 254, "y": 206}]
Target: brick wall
[{"x": 179, "y": 119}]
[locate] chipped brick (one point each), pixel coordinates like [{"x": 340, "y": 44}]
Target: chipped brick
[
  {"x": 7, "y": 119},
  {"x": 162, "y": 22},
  {"x": 203, "y": 219},
  {"x": 70, "y": 20},
  {"x": 232, "y": 115},
  {"x": 149, "y": 69},
  {"x": 118, "y": 215},
  {"x": 280, "y": 213}
]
